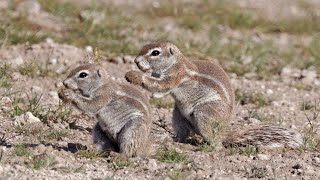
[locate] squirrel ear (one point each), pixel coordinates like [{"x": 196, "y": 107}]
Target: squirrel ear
[{"x": 171, "y": 50}]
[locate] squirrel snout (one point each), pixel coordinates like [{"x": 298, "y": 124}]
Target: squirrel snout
[
  {"x": 65, "y": 83},
  {"x": 142, "y": 64},
  {"x": 137, "y": 60}
]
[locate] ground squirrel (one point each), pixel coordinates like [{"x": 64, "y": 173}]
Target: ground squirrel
[
  {"x": 122, "y": 111},
  {"x": 204, "y": 98}
]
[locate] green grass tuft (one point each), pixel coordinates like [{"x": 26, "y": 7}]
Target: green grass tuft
[{"x": 170, "y": 155}]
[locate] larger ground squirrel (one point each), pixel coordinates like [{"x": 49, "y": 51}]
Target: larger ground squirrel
[
  {"x": 122, "y": 111},
  {"x": 204, "y": 98}
]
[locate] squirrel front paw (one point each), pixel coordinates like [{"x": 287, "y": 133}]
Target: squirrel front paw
[
  {"x": 134, "y": 77},
  {"x": 67, "y": 94}
]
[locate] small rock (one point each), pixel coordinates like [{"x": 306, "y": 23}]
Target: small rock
[
  {"x": 15, "y": 76},
  {"x": 254, "y": 120},
  {"x": 316, "y": 159},
  {"x": 60, "y": 161},
  {"x": 49, "y": 41},
  {"x": 17, "y": 61},
  {"x": 246, "y": 59},
  {"x": 54, "y": 97},
  {"x": 29, "y": 7},
  {"x": 89, "y": 49},
  {"x": 53, "y": 61},
  {"x": 308, "y": 76},
  {"x": 152, "y": 165},
  {"x": 263, "y": 157},
  {"x": 1, "y": 169},
  {"x": 287, "y": 72},
  {"x": 250, "y": 75},
  {"x": 27, "y": 118},
  {"x": 36, "y": 89},
  {"x": 41, "y": 148},
  {"x": 6, "y": 104},
  {"x": 269, "y": 91}
]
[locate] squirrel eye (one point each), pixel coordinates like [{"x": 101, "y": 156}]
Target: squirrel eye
[
  {"x": 83, "y": 75},
  {"x": 155, "y": 53}
]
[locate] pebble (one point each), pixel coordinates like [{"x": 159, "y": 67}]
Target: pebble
[
  {"x": 26, "y": 118},
  {"x": 15, "y": 76},
  {"x": 17, "y": 61},
  {"x": 263, "y": 157},
  {"x": 41, "y": 148},
  {"x": 6, "y": 104},
  {"x": 30, "y": 7},
  {"x": 54, "y": 97},
  {"x": 53, "y": 61},
  {"x": 254, "y": 120},
  {"x": 36, "y": 89},
  {"x": 246, "y": 59},
  {"x": 49, "y": 41},
  {"x": 89, "y": 48},
  {"x": 152, "y": 165},
  {"x": 308, "y": 76},
  {"x": 269, "y": 91}
]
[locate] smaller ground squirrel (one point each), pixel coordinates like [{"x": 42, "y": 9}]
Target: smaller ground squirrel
[
  {"x": 122, "y": 111},
  {"x": 204, "y": 98}
]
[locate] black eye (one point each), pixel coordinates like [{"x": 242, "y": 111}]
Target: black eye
[
  {"x": 83, "y": 75},
  {"x": 155, "y": 53}
]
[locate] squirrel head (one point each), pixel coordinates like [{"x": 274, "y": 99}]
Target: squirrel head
[
  {"x": 86, "y": 79},
  {"x": 157, "y": 58}
]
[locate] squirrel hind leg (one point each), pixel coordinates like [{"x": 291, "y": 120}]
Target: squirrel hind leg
[
  {"x": 133, "y": 137},
  {"x": 101, "y": 140},
  {"x": 209, "y": 120},
  {"x": 267, "y": 136},
  {"x": 181, "y": 126}
]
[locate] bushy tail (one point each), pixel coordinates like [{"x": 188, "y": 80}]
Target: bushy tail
[{"x": 270, "y": 136}]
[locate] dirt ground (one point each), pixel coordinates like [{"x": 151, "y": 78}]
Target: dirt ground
[{"x": 55, "y": 141}]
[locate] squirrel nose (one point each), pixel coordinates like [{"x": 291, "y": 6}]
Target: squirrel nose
[
  {"x": 65, "y": 83},
  {"x": 137, "y": 60}
]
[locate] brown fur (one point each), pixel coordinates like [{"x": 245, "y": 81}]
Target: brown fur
[
  {"x": 122, "y": 111},
  {"x": 204, "y": 97}
]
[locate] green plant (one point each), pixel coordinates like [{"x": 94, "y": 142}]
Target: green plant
[
  {"x": 257, "y": 172},
  {"x": 21, "y": 150},
  {"x": 161, "y": 103},
  {"x": 246, "y": 150},
  {"x": 261, "y": 116},
  {"x": 177, "y": 175},
  {"x": 55, "y": 134},
  {"x": 34, "y": 69},
  {"x": 170, "y": 155},
  {"x": 88, "y": 153},
  {"x": 120, "y": 161},
  {"x": 5, "y": 79},
  {"x": 42, "y": 161},
  {"x": 257, "y": 98},
  {"x": 311, "y": 137},
  {"x": 46, "y": 114}
]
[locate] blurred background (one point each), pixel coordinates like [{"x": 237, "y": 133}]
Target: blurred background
[
  {"x": 257, "y": 38},
  {"x": 270, "y": 48}
]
